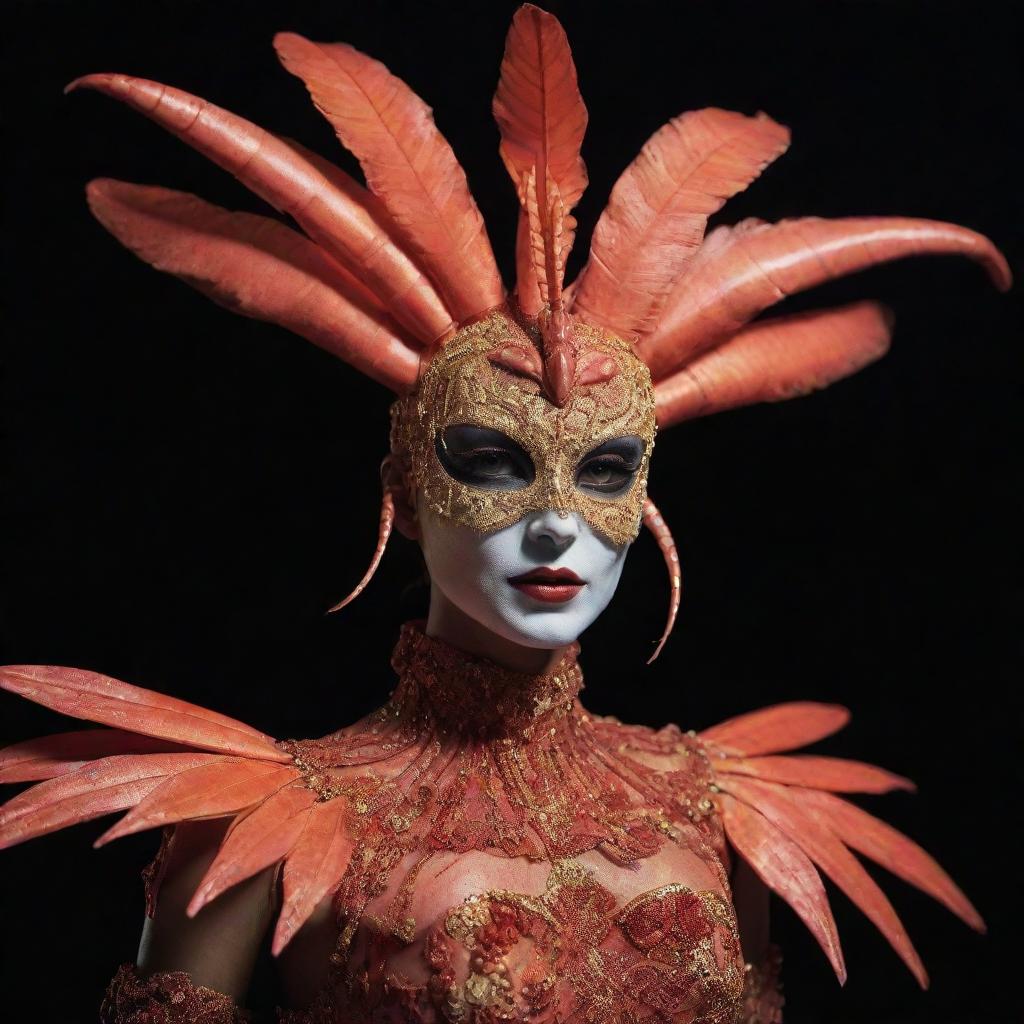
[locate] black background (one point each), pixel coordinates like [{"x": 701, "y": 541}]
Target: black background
[{"x": 186, "y": 491}]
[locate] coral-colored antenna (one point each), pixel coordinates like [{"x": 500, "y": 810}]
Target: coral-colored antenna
[
  {"x": 387, "y": 521},
  {"x": 655, "y": 522}
]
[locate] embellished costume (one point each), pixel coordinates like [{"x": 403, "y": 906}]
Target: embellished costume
[{"x": 491, "y": 850}]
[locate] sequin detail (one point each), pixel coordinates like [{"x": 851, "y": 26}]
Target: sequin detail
[{"x": 167, "y": 997}]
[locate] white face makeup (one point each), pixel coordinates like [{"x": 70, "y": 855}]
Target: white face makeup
[{"x": 498, "y": 579}]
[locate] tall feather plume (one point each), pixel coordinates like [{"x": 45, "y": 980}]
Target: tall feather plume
[
  {"x": 328, "y": 207},
  {"x": 659, "y": 208},
  {"x": 258, "y": 267},
  {"x": 408, "y": 165},
  {"x": 744, "y": 269},
  {"x": 542, "y": 119}
]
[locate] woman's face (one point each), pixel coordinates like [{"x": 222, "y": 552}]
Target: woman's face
[
  {"x": 543, "y": 580},
  {"x": 526, "y": 505}
]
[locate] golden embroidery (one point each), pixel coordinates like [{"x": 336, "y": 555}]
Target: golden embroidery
[
  {"x": 469, "y": 757},
  {"x": 461, "y": 385}
]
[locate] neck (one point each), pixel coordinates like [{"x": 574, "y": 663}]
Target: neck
[
  {"x": 457, "y": 693},
  {"x": 449, "y": 623}
]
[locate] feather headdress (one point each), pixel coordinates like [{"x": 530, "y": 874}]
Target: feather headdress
[{"x": 384, "y": 275}]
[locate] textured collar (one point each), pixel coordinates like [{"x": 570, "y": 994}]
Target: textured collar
[{"x": 469, "y": 695}]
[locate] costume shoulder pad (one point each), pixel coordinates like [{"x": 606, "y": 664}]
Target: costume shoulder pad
[
  {"x": 166, "y": 761},
  {"x": 781, "y": 814}
]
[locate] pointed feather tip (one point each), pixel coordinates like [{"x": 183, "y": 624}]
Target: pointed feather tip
[{"x": 99, "y": 80}]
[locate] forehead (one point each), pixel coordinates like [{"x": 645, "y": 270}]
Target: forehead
[{"x": 465, "y": 384}]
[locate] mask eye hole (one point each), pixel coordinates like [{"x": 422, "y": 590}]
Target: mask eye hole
[
  {"x": 608, "y": 470},
  {"x": 483, "y": 458}
]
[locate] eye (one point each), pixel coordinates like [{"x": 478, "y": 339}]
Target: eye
[
  {"x": 483, "y": 458},
  {"x": 609, "y": 469}
]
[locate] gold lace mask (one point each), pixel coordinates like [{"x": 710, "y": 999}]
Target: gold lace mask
[{"x": 486, "y": 376}]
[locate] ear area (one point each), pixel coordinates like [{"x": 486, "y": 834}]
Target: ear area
[{"x": 396, "y": 477}]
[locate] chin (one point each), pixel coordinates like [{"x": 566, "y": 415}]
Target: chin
[{"x": 545, "y": 631}]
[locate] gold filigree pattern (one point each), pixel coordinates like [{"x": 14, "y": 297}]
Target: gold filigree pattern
[{"x": 461, "y": 385}]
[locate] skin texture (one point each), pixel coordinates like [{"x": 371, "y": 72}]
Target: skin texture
[{"x": 472, "y": 571}]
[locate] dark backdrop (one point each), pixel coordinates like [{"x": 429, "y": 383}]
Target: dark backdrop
[{"x": 186, "y": 491}]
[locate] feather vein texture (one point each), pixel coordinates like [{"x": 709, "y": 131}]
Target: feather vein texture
[
  {"x": 408, "y": 166},
  {"x": 656, "y": 217}
]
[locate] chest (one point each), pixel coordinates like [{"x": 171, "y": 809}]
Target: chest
[{"x": 481, "y": 938}]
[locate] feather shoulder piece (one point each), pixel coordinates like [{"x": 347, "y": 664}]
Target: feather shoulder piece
[
  {"x": 782, "y": 814},
  {"x": 167, "y": 761}
]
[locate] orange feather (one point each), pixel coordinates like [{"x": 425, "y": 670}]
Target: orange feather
[
  {"x": 98, "y": 698},
  {"x": 542, "y": 119},
  {"x": 95, "y": 789},
  {"x": 893, "y": 850},
  {"x": 775, "y": 360},
  {"x": 408, "y": 166},
  {"x": 743, "y": 270},
  {"x": 46, "y": 757},
  {"x": 213, "y": 790},
  {"x": 827, "y": 851},
  {"x": 313, "y": 868},
  {"x": 786, "y": 870},
  {"x": 832, "y": 773},
  {"x": 659, "y": 208},
  {"x": 776, "y": 728},
  {"x": 255, "y": 841},
  {"x": 332, "y": 216},
  {"x": 257, "y": 267}
]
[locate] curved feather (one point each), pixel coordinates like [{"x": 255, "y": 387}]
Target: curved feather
[
  {"x": 542, "y": 120},
  {"x": 255, "y": 841},
  {"x": 408, "y": 166},
  {"x": 46, "y": 757},
  {"x": 894, "y": 851},
  {"x": 831, "y": 773},
  {"x": 659, "y": 208},
  {"x": 829, "y": 853},
  {"x": 743, "y": 270},
  {"x": 98, "y": 698},
  {"x": 210, "y": 790},
  {"x": 257, "y": 267},
  {"x": 776, "y": 728},
  {"x": 276, "y": 172},
  {"x": 97, "y": 788},
  {"x": 786, "y": 870},
  {"x": 775, "y": 360},
  {"x": 313, "y": 868}
]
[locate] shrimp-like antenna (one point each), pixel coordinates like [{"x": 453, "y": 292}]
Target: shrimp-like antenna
[
  {"x": 655, "y": 522},
  {"x": 387, "y": 521}
]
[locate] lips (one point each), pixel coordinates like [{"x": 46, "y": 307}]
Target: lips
[{"x": 553, "y": 586}]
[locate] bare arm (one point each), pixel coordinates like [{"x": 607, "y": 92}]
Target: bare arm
[{"x": 219, "y": 946}]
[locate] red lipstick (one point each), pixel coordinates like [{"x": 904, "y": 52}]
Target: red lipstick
[{"x": 554, "y": 586}]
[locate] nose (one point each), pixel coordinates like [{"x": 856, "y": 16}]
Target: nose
[{"x": 556, "y": 529}]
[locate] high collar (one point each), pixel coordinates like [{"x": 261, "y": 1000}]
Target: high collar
[{"x": 466, "y": 694}]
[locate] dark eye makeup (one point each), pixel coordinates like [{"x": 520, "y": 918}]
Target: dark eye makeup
[
  {"x": 486, "y": 458},
  {"x": 608, "y": 470},
  {"x": 483, "y": 458}
]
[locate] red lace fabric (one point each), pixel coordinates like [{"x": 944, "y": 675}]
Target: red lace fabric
[
  {"x": 519, "y": 858},
  {"x": 164, "y": 998}
]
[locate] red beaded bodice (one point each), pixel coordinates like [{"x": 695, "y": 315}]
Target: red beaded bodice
[{"x": 517, "y": 858}]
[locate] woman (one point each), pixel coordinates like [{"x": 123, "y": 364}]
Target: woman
[{"x": 536, "y": 476}]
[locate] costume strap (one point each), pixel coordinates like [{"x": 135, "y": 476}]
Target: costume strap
[{"x": 166, "y": 997}]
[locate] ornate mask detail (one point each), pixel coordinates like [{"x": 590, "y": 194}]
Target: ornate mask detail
[{"x": 492, "y": 375}]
